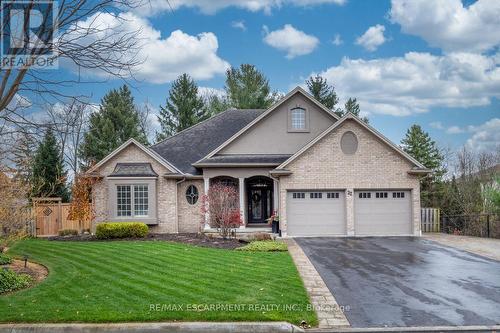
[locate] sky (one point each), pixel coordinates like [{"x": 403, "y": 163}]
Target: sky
[{"x": 432, "y": 63}]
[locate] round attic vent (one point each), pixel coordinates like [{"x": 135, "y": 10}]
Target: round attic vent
[{"x": 349, "y": 143}]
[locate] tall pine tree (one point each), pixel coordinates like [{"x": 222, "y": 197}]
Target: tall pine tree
[
  {"x": 184, "y": 108},
  {"x": 352, "y": 106},
  {"x": 48, "y": 175},
  {"x": 325, "y": 94},
  {"x": 322, "y": 91},
  {"x": 420, "y": 146},
  {"x": 248, "y": 88},
  {"x": 116, "y": 121}
]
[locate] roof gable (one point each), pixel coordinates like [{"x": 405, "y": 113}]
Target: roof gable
[
  {"x": 366, "y": 126},
  {"x": 149, "y": 152},
  {"x": 287, "y": 97}
]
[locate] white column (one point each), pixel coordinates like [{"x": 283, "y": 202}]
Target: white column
[
  {"x": 206, "y": 187},
  {"x": 242, "y": 201},
  {"x": 276, "y": 196}
]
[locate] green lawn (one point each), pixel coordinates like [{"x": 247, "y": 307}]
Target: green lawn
[{"x": 120, "y": 281}]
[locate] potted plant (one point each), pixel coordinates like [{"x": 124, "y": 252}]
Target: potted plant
[{"x": 274, "y": 220}]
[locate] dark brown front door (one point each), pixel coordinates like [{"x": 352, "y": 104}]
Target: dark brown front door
[{"x": 260, "y": 199}]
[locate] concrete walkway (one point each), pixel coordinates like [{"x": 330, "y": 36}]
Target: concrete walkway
[
  {"x": 192, "y": 327},
  {"x": 487, "y": 247},
  {"x": 329, "y": 313}
]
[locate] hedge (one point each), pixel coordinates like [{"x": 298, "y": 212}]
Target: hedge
[
  {"x": 110, "y": 230},
  {"x": 68, "y": 232},
  {"x": 10, "y": 280}
]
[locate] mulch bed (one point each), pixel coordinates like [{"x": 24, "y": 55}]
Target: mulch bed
[
  {"x": 36, "y": 271},
  {"x": 192, "y": 239}
]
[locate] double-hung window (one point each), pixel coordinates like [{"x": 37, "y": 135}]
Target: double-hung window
[{"x": 132, "y": 200}]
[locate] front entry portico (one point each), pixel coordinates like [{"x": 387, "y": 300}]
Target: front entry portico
[
  {"x": 260, "y": 200},
  {"x": 257, "y": 193}
]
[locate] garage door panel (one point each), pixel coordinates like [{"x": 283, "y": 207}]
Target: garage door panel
[
  {"x": 388, "y": 215},
  {"x": 315, "y": 216}
]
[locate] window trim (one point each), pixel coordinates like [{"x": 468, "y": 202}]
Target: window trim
[
  {"x": 112, "y": 184},
  {"x": 306, "y": 120},
  {"x": 190, "y": 194},
  {"x": 132, "y": 187}
]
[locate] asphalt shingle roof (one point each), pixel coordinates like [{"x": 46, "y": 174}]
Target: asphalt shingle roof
[
  {"x": 133, "y": 170},
  {"x": 192, "y": 144},
  {"x": 244, "y": 158}
]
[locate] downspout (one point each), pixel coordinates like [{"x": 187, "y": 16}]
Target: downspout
[{"x": 177, "y": 203}]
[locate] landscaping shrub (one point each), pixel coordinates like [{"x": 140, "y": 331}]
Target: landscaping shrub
[
  {"x": 68, "y": 232},
  {"x": 4, "y": 260},
  {"x": 111, "y": 230},
  {"x": 264, "y": 246},
  {"x": 10, "y": 280}
]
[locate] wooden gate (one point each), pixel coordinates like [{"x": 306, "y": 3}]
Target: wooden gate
[
  {"x": 430, "y": 219},
  {"x": 51, "y": 216}
]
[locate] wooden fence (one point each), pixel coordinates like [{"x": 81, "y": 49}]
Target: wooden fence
[
  {"x": 430, "y": 219},
  {"x": 51, "y": 216}
]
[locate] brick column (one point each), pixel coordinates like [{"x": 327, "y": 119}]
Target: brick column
[
  {"x": 349, "y": 211},
  {"x": 242, "y": 201}
]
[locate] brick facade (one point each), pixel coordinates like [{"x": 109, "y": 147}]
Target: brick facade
[
  {"x": 373, "y": 166},
  {"x": 189, "y": 216}
]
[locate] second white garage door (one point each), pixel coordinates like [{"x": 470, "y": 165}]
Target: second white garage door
[
  {"x": 382, "y": 213},
  {"x": 316, "y": 213}
]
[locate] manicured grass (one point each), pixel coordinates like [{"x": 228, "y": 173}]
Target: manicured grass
[{"x": 120, "y": 281}]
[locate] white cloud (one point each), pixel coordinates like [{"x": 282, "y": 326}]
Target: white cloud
[
  {"x": 448, "y": 24},
  {"x": 372, "y": 38},
  {"x": 293, "y": 41},
  {"x": 417, "y": 82},
  {"x": 208, "y": 91},
  {"x": 437, "y": 125},
  {"x": 239, "y": 25},
  {"x": 153, "y": 7},
  {"x": 485, "y": 137},
  {"x": 337, "y": 40},
  {"x": 454, "y": 130},
  {"x": 163, "y": 58}
]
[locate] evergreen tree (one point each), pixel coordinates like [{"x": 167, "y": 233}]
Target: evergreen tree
[
  {"x": 420, "y": 146},
  {"x": 184, "y": 108},
  {"x": 48, "y": 175},
  {"x": 116, "y": 121},
  {"x": 248, "y": 88},
  {"x": 216, "y": 104},
  {"x": 352, "y": 106},
  {"x": 322, "y": 91}
]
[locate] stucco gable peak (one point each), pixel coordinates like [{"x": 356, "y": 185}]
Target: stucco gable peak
[{"x": 288, "y": 96}]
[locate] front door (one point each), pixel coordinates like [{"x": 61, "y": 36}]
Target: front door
[{"x": 260, "y": 199}]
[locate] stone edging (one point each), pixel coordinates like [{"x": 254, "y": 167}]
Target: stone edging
[{"x": 329, "y": 313}]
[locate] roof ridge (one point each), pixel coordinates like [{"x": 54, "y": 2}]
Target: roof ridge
[{"x": 198, "y": 124}]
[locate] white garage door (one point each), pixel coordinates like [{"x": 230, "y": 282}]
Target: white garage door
[
  {"x": 316, "y": 213},
  {"x": 382, "y": 213}
]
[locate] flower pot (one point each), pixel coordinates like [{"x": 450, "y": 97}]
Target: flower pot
[{"x": 275, "y": 226}]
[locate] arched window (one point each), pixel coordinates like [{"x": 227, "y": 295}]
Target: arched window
[
  {"x": 192, "y": 194},
  {"x": 298, "y": 118}
]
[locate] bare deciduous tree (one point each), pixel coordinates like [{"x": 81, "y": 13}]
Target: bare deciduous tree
[{"x": 79, "y": 39}]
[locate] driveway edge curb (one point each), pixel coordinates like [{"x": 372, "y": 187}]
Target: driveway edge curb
[
  {"x": 187, "y": 327},
  {"x": 329, "y": 312},
  {"x": 477, "y": 328}
]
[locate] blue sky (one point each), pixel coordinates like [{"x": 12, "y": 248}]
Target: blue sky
[{"x": 431, "y": 63}]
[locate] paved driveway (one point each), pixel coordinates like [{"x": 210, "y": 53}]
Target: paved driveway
[{"x": 405, "y": 281}]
